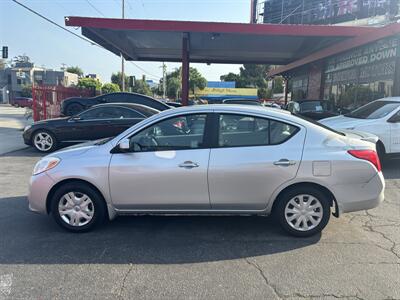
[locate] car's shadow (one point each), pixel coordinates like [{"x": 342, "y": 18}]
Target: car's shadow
[{"x": 27, "y": 238}]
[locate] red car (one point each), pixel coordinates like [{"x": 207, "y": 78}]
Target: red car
[{"x": 21, "y": 102}]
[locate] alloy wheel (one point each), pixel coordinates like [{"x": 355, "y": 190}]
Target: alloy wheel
[
  {"x": 76, "y": 209},
  {"x": 303, "y": 212},
  {"x": 43, "y": 141}
]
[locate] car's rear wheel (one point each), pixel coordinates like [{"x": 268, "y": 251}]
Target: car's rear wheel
[
  {"x": 303, "y": 211},
  {"x": 77, "y": 207},
  {"x": 44, "y": 141},
  {"x": 73, "y": 109}
]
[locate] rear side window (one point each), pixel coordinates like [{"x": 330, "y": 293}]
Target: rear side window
[{"x": 244, "y": 131}]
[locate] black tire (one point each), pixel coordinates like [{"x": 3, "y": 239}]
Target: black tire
[
  {"x": 283, "y": 200},
  {"x": 53, "y": 146},
  {"x": 99, "y": 211},
  {"x": 73, "y": 109}
]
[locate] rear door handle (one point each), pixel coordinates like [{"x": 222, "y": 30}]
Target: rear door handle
[
  {"x": 284, "y": 162},
  {"x": 188, "y": 165}
]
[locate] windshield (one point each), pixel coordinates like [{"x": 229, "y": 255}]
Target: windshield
[
  {"x": 318, "y": 124},
  {"x": 313, "y": 106},
  {"x": 374, "y": 110}
]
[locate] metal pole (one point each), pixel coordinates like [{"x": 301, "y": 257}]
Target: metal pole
[
  {"x": 185, "y": 70},
  {"x": 122, "y": 57},
  {"x": 164, "y": 67}
]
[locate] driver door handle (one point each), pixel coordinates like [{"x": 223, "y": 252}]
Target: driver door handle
[
  {"x": 284, "y": 162},
  {"x": 188, "y": 165}
]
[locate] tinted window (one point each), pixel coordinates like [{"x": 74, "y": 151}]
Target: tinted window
[
  {"x": 179, "y": 133},
  {"x": 374, "y": 110},
  {"x": 95, "y": 113},
  {"x": 242, "y": 130},
  {"x": 125, "y": 113}
]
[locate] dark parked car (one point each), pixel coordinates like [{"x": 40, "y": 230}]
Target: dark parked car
[
  {"x": 313, "y": 109},
  {"x": 100, "y": 121},
  {"x": 74, "y": 105},
  {"x": 21, "y": 102},
  {"x": 243, "y": 101}
]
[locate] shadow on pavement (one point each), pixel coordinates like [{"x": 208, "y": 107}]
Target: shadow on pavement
[
  {"x": 27, "y": 238},
  {"x": 391, "y": 168}
]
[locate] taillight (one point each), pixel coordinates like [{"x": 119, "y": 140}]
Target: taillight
[{"x": 369, "y": 155}]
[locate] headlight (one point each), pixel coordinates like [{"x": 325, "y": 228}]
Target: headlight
[
  {"x": 27, "y": 127},
  {"x": 45, "y": 164}
]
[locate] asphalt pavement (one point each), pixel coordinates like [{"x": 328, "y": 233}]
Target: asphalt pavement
[{"x": 149, "y": 257}]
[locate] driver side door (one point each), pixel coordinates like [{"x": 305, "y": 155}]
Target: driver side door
[{"x": 166, "y": 167}]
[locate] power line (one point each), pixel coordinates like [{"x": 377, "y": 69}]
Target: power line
[
  {"x": 95, "y": 8},
  {"x": 77, "y": 35},
  {"x": 55, "y": 24}
]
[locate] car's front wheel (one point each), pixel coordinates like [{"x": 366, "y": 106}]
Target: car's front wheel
[
  {"x": 303, "y": 211},
  {"x": 44, "y": 141},
  {"x": 77, "y": 207}
]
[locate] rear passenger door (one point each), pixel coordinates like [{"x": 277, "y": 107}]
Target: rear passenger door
[{"x": 253, "y": 157}]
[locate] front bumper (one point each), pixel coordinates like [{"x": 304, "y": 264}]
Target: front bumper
[
  {"x": 39, "y": 187},
  {"x": 27, "y": 136}
]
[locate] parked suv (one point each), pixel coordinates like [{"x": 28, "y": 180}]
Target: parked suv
[{"x": 21, "y": 102}]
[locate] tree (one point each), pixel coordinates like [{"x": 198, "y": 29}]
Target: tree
[
  {"x": 75, "y": 70},
  {"x": 26, "y": 91},
  {"x": 196, "y": 80},
  {"x": 142, "y": 87},
  {"x": 110, "y": 88},
  {"x": 117, "y": 79},
  {"x": 264, "y": 93},
  {"x": 89, "y": 83},
  {"x": 251, "y": 75},
  {"x": 278, "y": 85}
]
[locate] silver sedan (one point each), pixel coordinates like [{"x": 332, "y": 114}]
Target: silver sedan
[{"x": 212, "y": 159}]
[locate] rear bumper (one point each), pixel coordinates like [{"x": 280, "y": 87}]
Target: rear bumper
[{"x": 361, "y": 197}]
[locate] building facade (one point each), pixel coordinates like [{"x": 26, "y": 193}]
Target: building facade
[
  {"x": 324, "y": 11},
  {"x": 22, "y": 74}
]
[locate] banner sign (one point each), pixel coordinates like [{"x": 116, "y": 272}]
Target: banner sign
[
  {"x": 383, "y": 50},
  {"x": 226, "y": 91}
]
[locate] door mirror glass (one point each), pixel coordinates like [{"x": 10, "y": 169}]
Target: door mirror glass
[{"x": 124, "y": 145}]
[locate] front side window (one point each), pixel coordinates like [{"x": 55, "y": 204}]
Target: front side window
[
  {"x": 243, "y": 131},
  {"x": 178, "y": 133}
]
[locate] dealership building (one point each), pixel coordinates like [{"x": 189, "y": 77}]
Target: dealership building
[{"x": 349, "y": 73}]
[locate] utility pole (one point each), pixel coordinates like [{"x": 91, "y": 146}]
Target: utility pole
[
  {"x": 122, "y": 57},
  {"x": 164, "y": 69}
]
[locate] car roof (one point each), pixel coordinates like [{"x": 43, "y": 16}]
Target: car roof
[
  {"x": 396, "y": 99},
  {"x": 129, "y": 105},
  {"x": 234, "y": 108},
  {"x": 239, "y": 99}
]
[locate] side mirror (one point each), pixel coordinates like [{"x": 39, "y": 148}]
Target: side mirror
[
  {"x": 75, "y": 118},
  {"x": 124, "y": 145},
  {"x": 395, "y": 118}
]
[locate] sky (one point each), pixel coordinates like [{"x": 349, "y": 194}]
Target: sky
[{"x": 49, "y": 46}]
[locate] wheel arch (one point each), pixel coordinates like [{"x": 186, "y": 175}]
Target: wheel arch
[
  {"x": 72, "y": 180},
  {"x": 322, "y": 188}
]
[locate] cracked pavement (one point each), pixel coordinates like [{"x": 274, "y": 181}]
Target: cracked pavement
[{"x": 356, "y": 257}]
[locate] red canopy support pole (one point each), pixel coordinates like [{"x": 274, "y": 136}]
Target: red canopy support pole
[{"x": 185, "y": 69}]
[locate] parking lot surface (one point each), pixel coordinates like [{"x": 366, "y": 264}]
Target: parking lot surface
[{"x": 149, "y": 257}]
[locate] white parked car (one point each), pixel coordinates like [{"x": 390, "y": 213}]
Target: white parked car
[{"x": 380, "y": 117}]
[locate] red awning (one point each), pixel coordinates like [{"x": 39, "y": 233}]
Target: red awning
[{"x": 211, "y": 42}]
